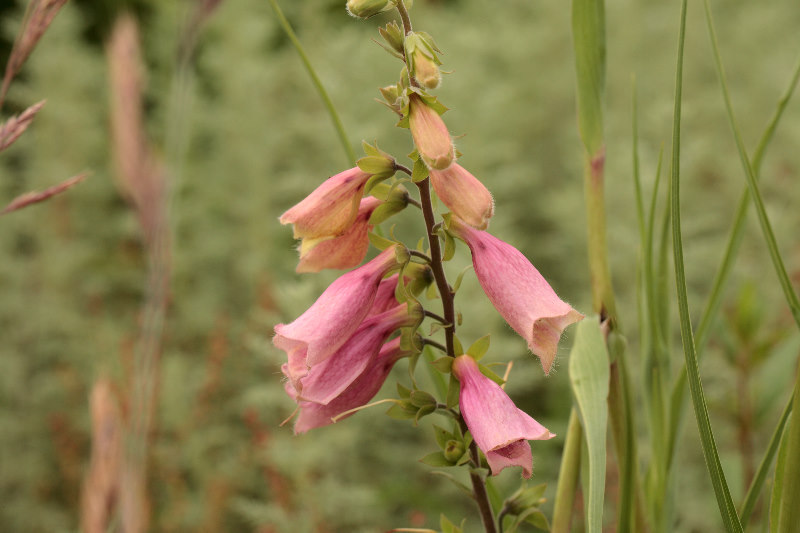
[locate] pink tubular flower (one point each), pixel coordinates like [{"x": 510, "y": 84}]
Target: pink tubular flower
[
  {"x": 464, "y": 195},
  {"x": 327, "y": 380},
  {"x": 329, "y": 322},
  {"x": 500, "y": 429},
  {"x": 518, "y": 292},
  {"x": 344, "y": 251},
  {"x": 331, "y": 208},
  {"x": 360, "y": 391},
  {"x": 430, "y": 134}
]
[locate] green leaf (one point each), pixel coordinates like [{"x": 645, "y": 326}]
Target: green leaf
[
  {"x": 778, "y": 484},
  {"x": 588, "y": 33},
  {"x": 479, "y": 348},
  {"x": 449, "y": 527},
  {"x": 589, "y": 377},
  {"x": 789, "y": 516},
  {"x": 436, "y": 459}
]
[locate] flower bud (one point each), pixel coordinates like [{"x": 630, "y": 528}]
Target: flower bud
[
  {"x": 464, "y": 195},
  {"x": 367, "y": 8},
  {"x": 393, "y": 36},
  {"x": 422, "y": 60},
  {"x": 453, "y": 450},
  {"x": 430, "y": 134}
]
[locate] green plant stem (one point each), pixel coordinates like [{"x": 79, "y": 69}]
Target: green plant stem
[
  {"x": 727, "y": 509},
  {"x": 568, "y": 475},
  {"x": 789, "y": 515},
  {"x": 323, "y": 94},
  {"x": 602, "y": 291},
  {"x": 757, "y": 484}
]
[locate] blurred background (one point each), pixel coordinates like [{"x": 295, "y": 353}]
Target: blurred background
[{"x": 232, "y": 122}]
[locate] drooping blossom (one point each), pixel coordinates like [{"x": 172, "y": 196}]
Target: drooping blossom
[
  {"x": 329, "y": 322},
  {"x": 500, "y": 429},
  {"x": 328, "y": 379},
  {"x": 518, "y": 292},
  {"x": 430, "y": 134},
  {"x": 331, "y": 208},
  {"x": 360, "y": 391},
  {"x": 342, "y": 252},
  {"x": 464, "y": 195}
]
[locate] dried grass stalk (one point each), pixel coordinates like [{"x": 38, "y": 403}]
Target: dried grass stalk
[
  {"x": 101, "y": 489},
  {"x": 12, "y": 128},
  {"x": 29, "y": 198},
  {"x": 38, "y": 16}
]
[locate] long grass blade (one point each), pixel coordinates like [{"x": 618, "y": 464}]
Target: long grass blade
[
  {"x": 323, "y": 94},
  {"x": 721, "y": 491}
]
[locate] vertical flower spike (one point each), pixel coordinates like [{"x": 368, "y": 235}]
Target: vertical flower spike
[
  {"x": 327, "y": 380},
  {"x": 500, "y": 429},
  {"x": 430, "y": 134},
  {"x": 331, "y": 208},
  {"x": 344, "y": 251},
  {"x": 518, "y": 292},
  {"x": 359, "y": 393},
  {"x": 464, "y": 195},
  {"x": 329, "y": 322}
]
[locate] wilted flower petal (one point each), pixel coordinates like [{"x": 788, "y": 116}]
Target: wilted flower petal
[
  {"x": 518, "y": 292},
  {"x": 500, "y": 429}
]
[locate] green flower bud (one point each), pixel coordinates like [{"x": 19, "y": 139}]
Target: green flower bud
[
  {"x": 367, "y": 8},
  {"x": 453, "y": 450},
  {"x": 393, "y": 36},
  {"x": 422, "y": 61}
]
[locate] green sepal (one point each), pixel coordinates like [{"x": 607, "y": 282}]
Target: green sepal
[
  {"x": 486, "y": 371},
  {"x": 436, "y": 459},
  {"x": 421, "y": 398},
  {"x": 374, "y": 164},
  {"x": 449, "y": 527},
  {"x": 385, "y": 211},
  {"x": 483, "y": 473},
  {"x": 443, "y": 364},
  {"x": 403, "y": 392},
  {"x": 467, "y": 490},
  {"x": 534, "y": 517},
  {"x": 375, "y": 180},
  {"x": 381, "y": 243},
  {"x": 479, "y": 348},
  {"x": 453, "y": 389},
  {"x": 460, "y": 278},
  {"x": 458, "y": 348},
  {"x": 525, "y": 498},
  {"x": 393, "y": 36},
  {"x": 370, "y": 149},
  {"x": 442, "y": 436},
  {"x": 402, "y": 411},
  {"x": 449, "y": 247},
  {"x": 419, "y": 172},
  {"x": 424, "y": 411}
]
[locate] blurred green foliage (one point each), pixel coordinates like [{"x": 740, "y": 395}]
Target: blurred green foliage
[{"x": 73, "y": 270}]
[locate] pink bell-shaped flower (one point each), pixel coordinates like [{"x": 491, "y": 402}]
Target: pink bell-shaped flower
[
  {"x": 430, "y": 134},
  {"x": 357, "y": 394},
  {"x": 331, "y": 208},
  {"x": 328, "y": 379},
  {"x": 331, "y": 320},
  {"x": 518, "y": 292},
  {"x": 342, "y": 252},
  {"x": 464, "y": 195},
  {"x": 500, "y": 429}
]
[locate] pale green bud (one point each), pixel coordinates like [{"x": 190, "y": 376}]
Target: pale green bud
[
  {"x": 367, "y": 8},
  {"x": 393, "y": 36},
  {"x": 453, "y": 450}
]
